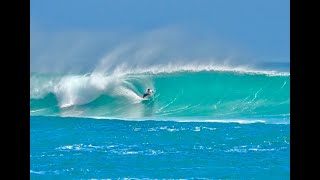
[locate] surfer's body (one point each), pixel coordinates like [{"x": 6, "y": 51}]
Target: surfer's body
[{"x": 148, "y": 93}]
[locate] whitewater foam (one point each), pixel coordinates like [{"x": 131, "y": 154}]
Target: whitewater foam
[{"x": 239, "y": 121}]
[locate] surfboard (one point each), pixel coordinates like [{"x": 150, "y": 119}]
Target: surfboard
[{"x": 148, "y": 96}]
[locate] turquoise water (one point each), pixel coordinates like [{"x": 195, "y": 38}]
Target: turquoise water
[
  {"x": 184, "y": 95},
  {"x": 210, "y": 124}
]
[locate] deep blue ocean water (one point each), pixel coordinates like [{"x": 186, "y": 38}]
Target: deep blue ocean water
[{"x": 82, "y": 148}]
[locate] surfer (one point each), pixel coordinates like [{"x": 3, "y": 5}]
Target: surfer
[{"x": 148, "y": 93}]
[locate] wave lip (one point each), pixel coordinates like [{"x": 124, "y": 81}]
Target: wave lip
[{"x": 171, "y": 68}]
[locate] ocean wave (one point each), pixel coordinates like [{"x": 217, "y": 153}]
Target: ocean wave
[{"x": 200, "y": 92}]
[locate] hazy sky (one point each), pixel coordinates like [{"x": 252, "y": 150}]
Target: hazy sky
[{"x": 82, "y": 31}]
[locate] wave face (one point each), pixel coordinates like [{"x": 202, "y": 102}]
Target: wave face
[{"x": 208, "y": 95}]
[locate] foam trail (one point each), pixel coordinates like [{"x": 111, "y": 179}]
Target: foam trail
[
  {"x": 255, "y": 96},
  {"x": 167, "y": 104},
  {"x": 283, "y": 84}
]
